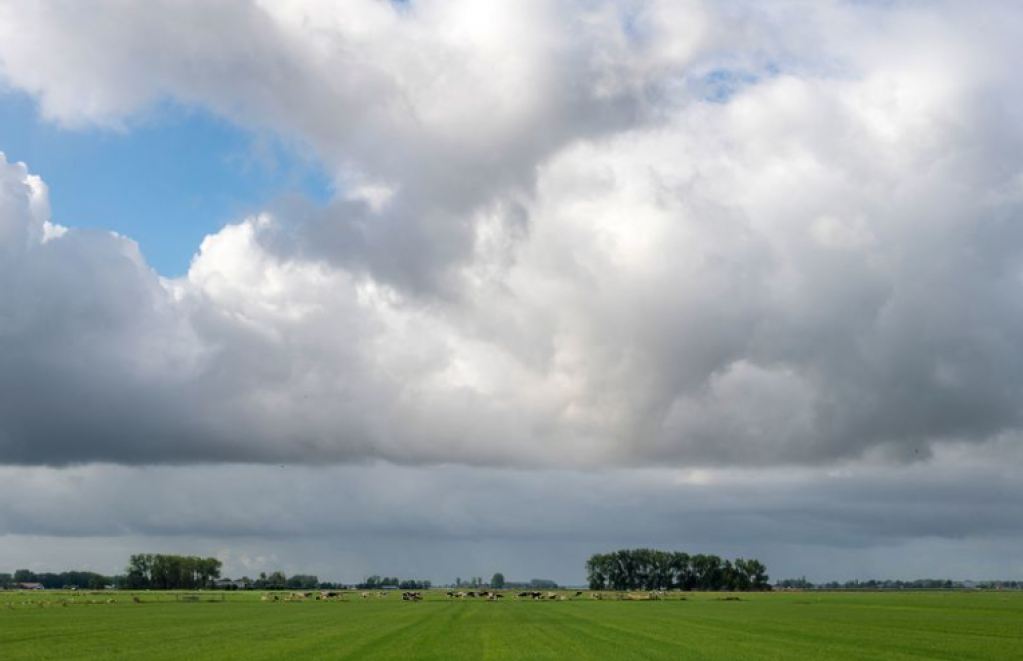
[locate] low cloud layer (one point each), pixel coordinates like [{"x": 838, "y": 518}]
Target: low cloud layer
[
  {"x": 956, "y": 517},
  {"x": 597, "y": 235}
]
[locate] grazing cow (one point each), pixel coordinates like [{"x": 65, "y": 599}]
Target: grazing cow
[
  {"x": 411, "y": 596},
  {"x": 579, "y": 593}
]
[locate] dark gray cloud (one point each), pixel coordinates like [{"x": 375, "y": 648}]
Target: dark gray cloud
[{"x": 954, "y": 516}]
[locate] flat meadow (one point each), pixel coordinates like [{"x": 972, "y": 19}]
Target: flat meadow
[{"x": 783, "y": 625}]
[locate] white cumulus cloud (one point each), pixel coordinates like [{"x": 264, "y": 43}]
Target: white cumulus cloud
[{"x": 576, "y": 235}]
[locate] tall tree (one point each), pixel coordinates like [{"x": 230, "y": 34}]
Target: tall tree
[
  {"x": 170, "y": 572},
  {"x": 24, "y": 576},
  {"x": 276, "y": 580}
]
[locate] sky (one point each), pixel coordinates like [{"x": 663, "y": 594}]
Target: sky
[{"x": 442, "y": 288}]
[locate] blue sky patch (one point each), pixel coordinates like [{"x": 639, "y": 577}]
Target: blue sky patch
[{"x": 167, "y": 182}]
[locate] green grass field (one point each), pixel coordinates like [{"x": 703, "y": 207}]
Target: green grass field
[{"x": 833, "y": 626}]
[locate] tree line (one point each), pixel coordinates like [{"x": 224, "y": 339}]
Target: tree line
[
  {"x": 377, "y": 583},
  {"x": 82, "y": 580},
  {"x": 499, "y": 582},
  {"x": 650, "y": 569},
  {"x": 897, "y": 584},
  {"x": 157, "y": 571},
  {"x": 278, "y": 580}
]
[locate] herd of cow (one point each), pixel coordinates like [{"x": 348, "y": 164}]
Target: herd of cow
[
  {"x": 324, "y": 595},
  {"x": 491, "y": 595},
  {"x": 529, "y": 594}
]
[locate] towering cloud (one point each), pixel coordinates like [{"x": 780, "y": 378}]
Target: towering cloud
[{"x": 575, "y": 235}]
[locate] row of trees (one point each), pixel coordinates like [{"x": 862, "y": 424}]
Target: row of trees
[
  {"x": 83, "y": 580},
  {"x": 471, "y": 582},
  {"x": 377, "y": 583},
  {"x": 156, "y": 571},
  {"x": 498, "y": 582},
  {"x": 887, "y": 584},
  {"x": 650, "y": 569},
  {"x": 279, "y": 581}
]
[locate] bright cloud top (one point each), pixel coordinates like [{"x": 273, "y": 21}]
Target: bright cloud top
[{"x": 576, "y": 234}]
